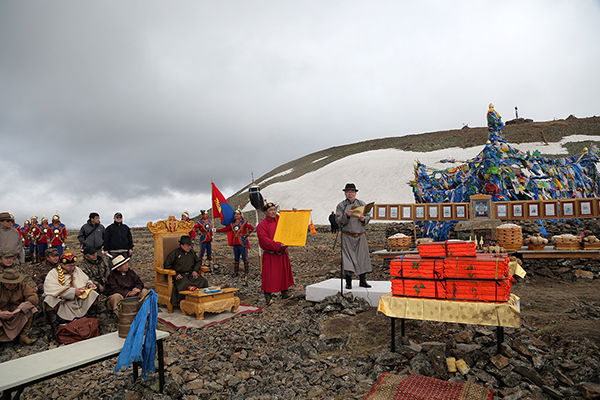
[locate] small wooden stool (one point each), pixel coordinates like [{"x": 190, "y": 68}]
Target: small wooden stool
[{"x": 198, "y": 302}]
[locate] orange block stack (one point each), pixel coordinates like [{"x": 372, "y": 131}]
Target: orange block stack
[{"x": 452, "y": 270}]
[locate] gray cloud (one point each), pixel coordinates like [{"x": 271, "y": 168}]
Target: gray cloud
[{"x": 137, "y": 105}]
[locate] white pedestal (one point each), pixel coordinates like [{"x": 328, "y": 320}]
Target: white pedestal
[{"x": 319, "y": 291}]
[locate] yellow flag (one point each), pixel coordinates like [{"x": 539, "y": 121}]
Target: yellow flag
[{"x": 292, "y": 227}]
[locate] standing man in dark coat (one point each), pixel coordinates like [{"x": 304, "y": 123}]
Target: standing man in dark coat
[
  {"x": 186, "y": 263},
  {"x": 117, "y": 238},
  {"x": 91, "y": 234},
  {"x": 334, "y": 225},
  {"x": 355, "y": 249}
]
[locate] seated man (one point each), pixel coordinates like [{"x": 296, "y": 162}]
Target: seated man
[
  {"x": 68, "y": 293},
  {"x": 122, "y": 283},
  {"x": 17, "y": 307},
  {"x": 41, "y": 270},
  {"x": 7, "y": 259},
  {"x": 186, "y": 263},
  {"x": 96, "y": 268}
]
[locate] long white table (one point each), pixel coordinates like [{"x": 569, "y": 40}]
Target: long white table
[{"x": 17, "y": 374}]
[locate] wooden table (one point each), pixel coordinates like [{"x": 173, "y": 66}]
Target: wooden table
[
  {"x": 17, "y": 374},
  {"x": 548, "y": 252},
  {"x": 463, "y": 312},
  {"x": 198, "y": 302}
]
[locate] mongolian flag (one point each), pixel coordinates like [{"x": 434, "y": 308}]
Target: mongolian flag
[{"x": 221, "y": 208}]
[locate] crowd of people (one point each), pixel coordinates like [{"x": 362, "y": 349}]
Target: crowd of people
[{"x": 64, "y": 290}]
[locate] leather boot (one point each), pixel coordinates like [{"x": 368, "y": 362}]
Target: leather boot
[
  {"x": 348, "y": 281},
  {"x": 268, "y": 298},
  {"x": 92, "y": 312},
  {"x": 24, "y": 335},
  {"x": 363, "y": 281},
  {"x": 246, "y": 269},
  {"x": 236, "y": 269},
  {"x": 201, "y": 260},
  {"x": 52, "y": 318}
]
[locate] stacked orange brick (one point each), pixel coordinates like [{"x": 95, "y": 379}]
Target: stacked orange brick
[{"x": 452, "y": 270}]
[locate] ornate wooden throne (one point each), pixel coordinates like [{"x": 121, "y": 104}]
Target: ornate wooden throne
[{"x": 166, "y": 239}]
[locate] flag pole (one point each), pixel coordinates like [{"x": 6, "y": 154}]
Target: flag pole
[{"x": 212, "y": 211}]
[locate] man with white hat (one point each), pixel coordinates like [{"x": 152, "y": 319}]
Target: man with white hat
[
  {"x": 17, "y": 306},
  {"x": 122, "y": 283}
]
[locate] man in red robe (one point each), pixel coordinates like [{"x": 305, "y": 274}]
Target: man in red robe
[{"x": 276, "y": 270}]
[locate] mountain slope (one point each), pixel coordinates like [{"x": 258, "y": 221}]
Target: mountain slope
[{"x": 381, "y": 168}]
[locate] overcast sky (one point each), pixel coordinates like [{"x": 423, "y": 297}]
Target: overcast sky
[{"x": 135, "y": 106}]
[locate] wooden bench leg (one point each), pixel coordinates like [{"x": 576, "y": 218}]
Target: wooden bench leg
[
  {"x": 8, "y": 394},
  {"x": 161, "y": 365}
]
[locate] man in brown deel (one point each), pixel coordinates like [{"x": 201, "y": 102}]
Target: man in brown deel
[{"x": 186, "y": 263}]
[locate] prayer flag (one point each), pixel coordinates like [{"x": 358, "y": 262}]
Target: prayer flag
[{"x": 221, "y": 207}]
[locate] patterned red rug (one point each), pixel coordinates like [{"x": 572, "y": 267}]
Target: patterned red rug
[{"x": 419, "y": 387}]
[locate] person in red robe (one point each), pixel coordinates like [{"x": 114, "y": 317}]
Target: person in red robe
[{"x": 276, "y": 270}]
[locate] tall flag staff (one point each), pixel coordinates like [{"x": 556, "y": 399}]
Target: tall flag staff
[
  {"x": 220, "y": 207},
  {"x": 258, "y": 202}
]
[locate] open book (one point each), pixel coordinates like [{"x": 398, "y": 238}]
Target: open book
[{"x": 359, "y": 211}]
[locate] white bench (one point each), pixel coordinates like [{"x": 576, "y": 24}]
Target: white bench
[{"x": 16, "y": 375}]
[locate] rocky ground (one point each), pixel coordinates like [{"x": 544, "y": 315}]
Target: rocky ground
[{"x": 338, "y": 348}]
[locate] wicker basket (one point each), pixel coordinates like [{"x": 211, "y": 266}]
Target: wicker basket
[
  {"x": 536, "y": 247},
  {"x": 567, "y": 246},
  {"x": 399, "y": 243},
  {"x": 510, "y": 238}
]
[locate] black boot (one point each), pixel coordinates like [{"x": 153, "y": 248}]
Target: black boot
[
  {"x": 348, "y": 281},
  {"x": 246, "y": 269},
  {"x": 53, "y": 320},
  {"x": 92, "y": 312},
  {"x": 363, "y": 281}
]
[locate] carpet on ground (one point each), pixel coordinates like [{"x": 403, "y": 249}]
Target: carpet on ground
[
  {"x": 419, "y": 387},
  {"x": 177, "y": 320}
]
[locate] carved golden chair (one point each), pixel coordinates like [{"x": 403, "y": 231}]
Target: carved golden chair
[{"x": 166, "y": 239}]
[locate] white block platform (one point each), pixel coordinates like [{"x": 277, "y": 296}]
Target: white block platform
[{"x": 319, "y": 291}]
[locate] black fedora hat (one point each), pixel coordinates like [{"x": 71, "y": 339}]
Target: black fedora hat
[{"x": 350, "y": 186}]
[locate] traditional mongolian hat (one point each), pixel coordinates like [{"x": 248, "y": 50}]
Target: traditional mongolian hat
[
  {"x": 238, "y": 211},
  {"x": 67, "y": 258},
  {"x": 203, "y": 212},
  {"x": 185, "y": 214},
  {"x": 119, "y": 260},
  {"x": 350, "y": 186},
  {"x": 11, "y": 275},
  {"x": 268, "y": 205},
  {"x": 33, "y": 217},
  {"x": 44, "y": 218},
  {"x": 185, "y": 239},
  {"x": 26, "y": 222},
  {"x": 56, "y": 217}
]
